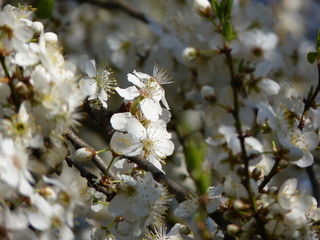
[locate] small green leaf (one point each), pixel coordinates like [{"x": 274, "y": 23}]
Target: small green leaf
[
  {"x": 312, "y": 56},
  {"x": 216, "y": 9},
  {"x": 44, "y": 8},
  {"x": 227, "y": 30},
  {"x": 229, "y": 8},
  {"x": 226, "y": 7}
]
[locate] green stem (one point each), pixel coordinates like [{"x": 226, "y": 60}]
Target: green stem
[
  {"x": 110, "y": 165},
  {"x": 103, "y": 203},
  {"x": 103, "y": 150},
  {"x": 136, "y": 104}
]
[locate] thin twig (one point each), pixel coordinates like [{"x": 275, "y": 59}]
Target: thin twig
[
  {"x": 91, "y": 178},
  {"x": 273, "y": 171},
  {"x": 310, "y": 102},
  {"x": 77, "y": 142},
  {"x": 120, "y": 5}
]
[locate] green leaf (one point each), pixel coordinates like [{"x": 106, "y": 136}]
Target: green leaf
[
  {"x": 44, "y": 8},
  {"x": 229, "y": 8},
  {"x": 227, "y": 31},
  {"x": 312, "y": 56},
  {"x": 226, "y": 7},
  {"x": 216, "y": 9}
]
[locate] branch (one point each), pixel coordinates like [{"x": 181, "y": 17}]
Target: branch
[
  {"x": 100, "y": 116},
  {"x": 120, "y": 5},
  {"x": 91, "y": 178},
  {"x": 271, "y": 174},
  {"x": 310, "y": 102},
  {"x": 77, "y": 142}
]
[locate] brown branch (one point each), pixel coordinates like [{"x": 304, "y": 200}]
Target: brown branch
[
  {"x": 92, "y": 180},
  {"x": 119, "y": 5},
  {"x": 77, "y": 142},
  {"x": 102, "y": 117},
  {"x": 310, "y": 102},
  {"x": 270, "y": 175}
]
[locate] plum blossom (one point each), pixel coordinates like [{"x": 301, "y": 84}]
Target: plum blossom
[
  {"x": 148, "y": 90},
  {"x": 14, "y": 166},
  {"x": 98, "y": 84},
  {"x": 151, "y": 142}
]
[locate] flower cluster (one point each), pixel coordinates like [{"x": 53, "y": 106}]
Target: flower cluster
[
  {"x": 142, "y": 130},
  {"x": 39, "y": 101},
  {"x": 233, "y": 158}
]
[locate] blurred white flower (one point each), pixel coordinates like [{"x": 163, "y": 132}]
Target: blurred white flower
[{"x": 98, "y": 84}]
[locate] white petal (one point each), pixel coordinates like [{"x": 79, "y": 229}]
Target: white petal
[
  {"x": 88, "y": 86},
  {"x": 150, "y": 109},
  {"x": 135, "y": 128},
  {"x": 118, "y": 205},
  {"x": 125, "y": 144},
  {"x": 139, "y": 207},
  {"x": 306, "y": 160},
  {"x": 269, "y": 87},
  {"x": 119, "y": 120},
  {"x": 129, "y": 93},
  {"x": 39, "y": 221},
  {"x": 311, "y": 140},
  {"x": 26, "y": 59},
  {"x": 135, "y": 80}
]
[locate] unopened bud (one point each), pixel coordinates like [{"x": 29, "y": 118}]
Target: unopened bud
[
  {"x": 84, "y": 154},
  {"x": 257, "y": 174},
  {"x": 190, "y": 54},
  {"x": 208, "y": 93},
  {"x": 51, "y": 37},
  {"x": 48, "y": 193},
  {"x": 233, "y": 229},
  {"x": 183, "y": 229},
  {"x": 202, "y": 7},
  {"x": 238, "y": 205},
  {"x": 37, "y": 26},
  {"x": 21, "y": 88}
]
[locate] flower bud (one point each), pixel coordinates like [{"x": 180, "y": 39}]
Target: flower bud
[
  {"x": 51, "y": 37},
  {"x": 84, "y": 154},
  {"x": 37, "y": 26},
  {"x": 257, "y": 174},
  {"x": 21, "y": 88},
  {"x": 238, "y": 205},
  {"x": 48, "y": 193},
  {"x": 232, "y": 229},
  {"x": 202, "y": 7},
  {"x": 183, "y": 229},
  {"x": 208, "y": 93},
  {"x": 190, "y": 53}
]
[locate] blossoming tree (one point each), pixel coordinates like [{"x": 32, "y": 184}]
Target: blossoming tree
[{"x": 221, "y": 145}]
